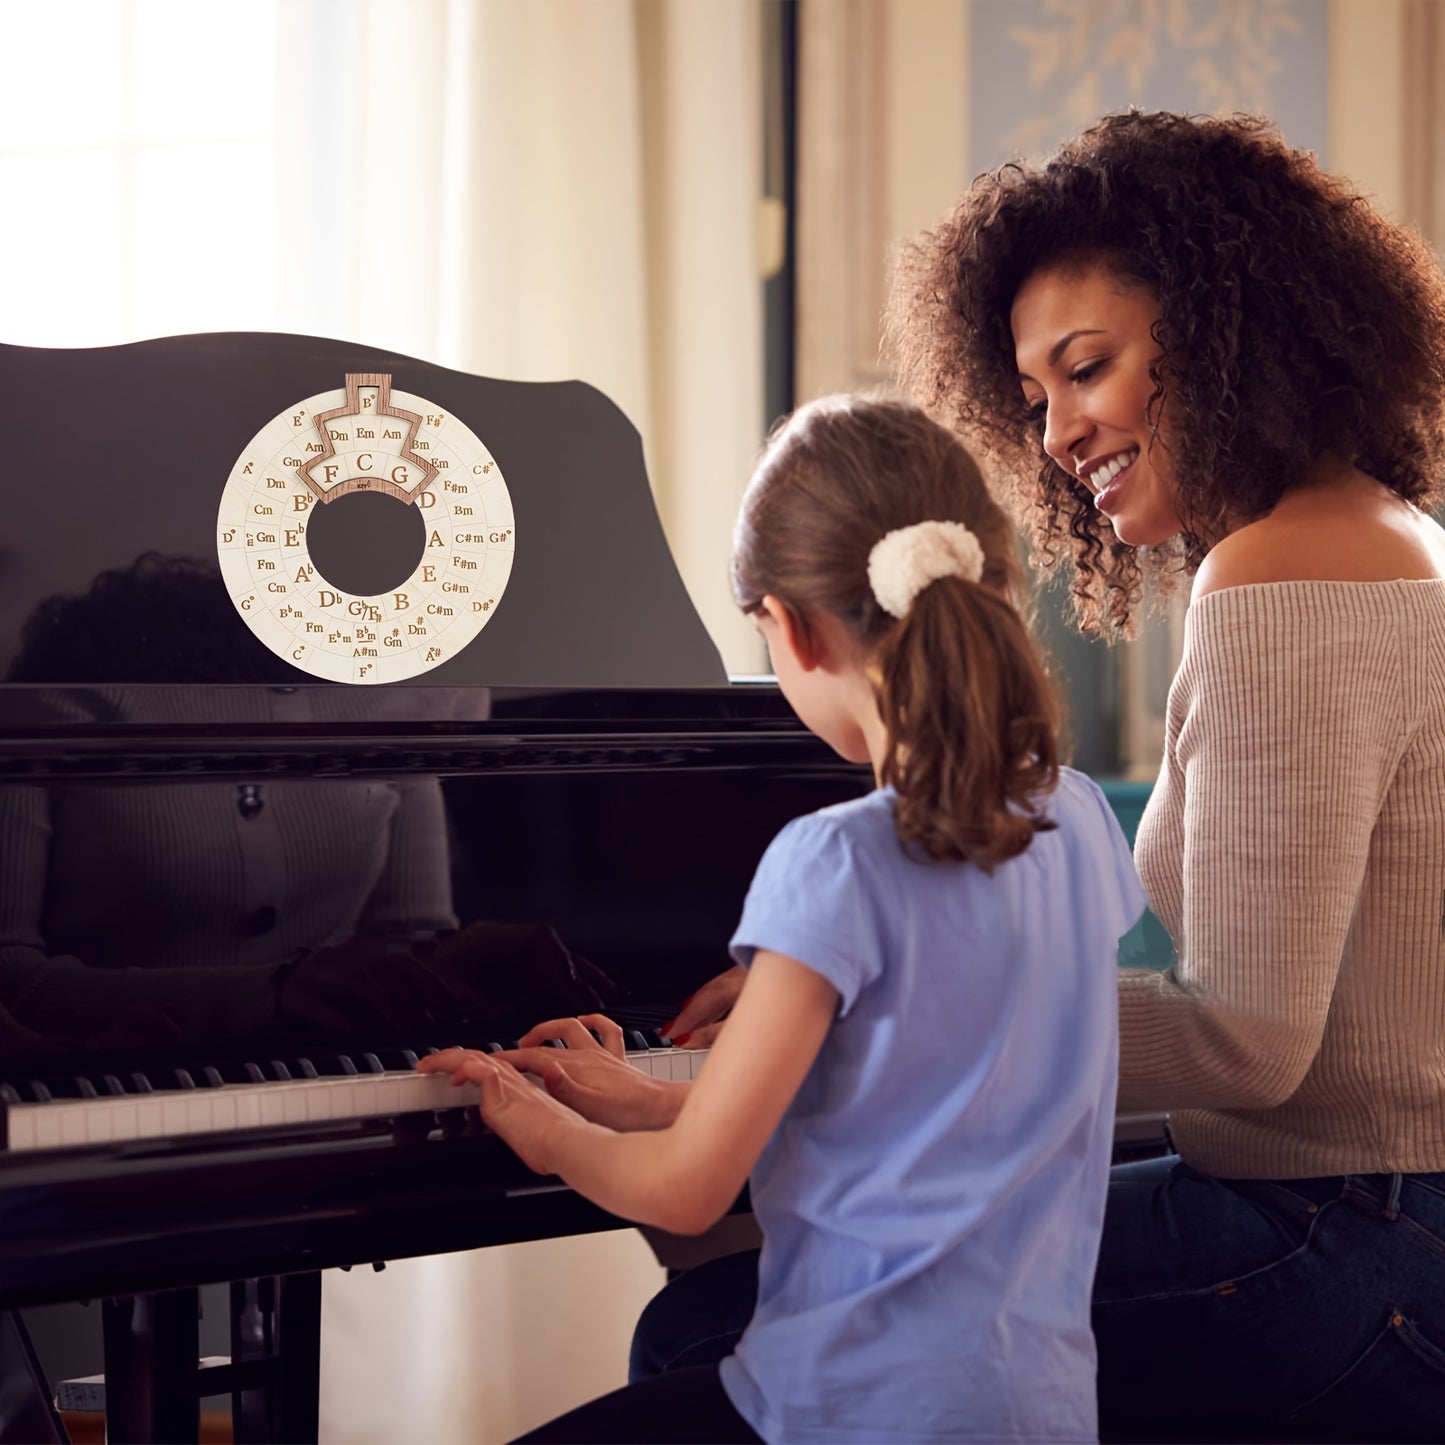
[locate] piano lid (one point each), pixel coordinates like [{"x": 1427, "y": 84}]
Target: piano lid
[
  {"x": 258, "y": 508},
  {"x": 221, "y": 846}
]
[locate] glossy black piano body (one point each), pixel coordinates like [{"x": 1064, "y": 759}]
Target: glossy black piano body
[
  {"x": 629, "y": 823},
  {"x": 216, "y": 866}
]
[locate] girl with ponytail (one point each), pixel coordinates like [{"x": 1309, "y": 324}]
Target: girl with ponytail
[{"x": 918, "y": 1076}]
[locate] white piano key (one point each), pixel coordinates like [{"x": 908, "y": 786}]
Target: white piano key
[
  {"x": 149, "y": 1117},
  {"x": 319, "y": 1101},
  {"x": 127, "y": 1121},
  {"x": 47, "y": 1127},
  {"x": 198, "y": 1112},
  {"x": 248, "y": 1106}
]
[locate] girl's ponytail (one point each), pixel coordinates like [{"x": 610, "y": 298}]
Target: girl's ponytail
[{"x": 972, "y": 725}]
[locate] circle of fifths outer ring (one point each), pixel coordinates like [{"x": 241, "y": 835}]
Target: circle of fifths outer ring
[{"x": 471, "y": 516}]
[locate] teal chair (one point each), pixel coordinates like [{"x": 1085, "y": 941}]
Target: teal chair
[{"x": 1146, "y": 945}]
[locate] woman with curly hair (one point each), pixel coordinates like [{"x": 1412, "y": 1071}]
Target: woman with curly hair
[
  {"x": 1187, "y": 351},
  {"x": 1191, "y": 356}
]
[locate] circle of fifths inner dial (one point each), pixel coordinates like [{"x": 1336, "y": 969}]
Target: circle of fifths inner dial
[{"x": 366, "y": 535}]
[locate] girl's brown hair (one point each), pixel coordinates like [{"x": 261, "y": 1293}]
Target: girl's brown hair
[
  {"x": 971, "y": 715},
  {"x": 1295, "y": 320}
]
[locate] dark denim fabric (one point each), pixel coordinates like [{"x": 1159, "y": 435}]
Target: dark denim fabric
[
  {"x": 1272, "y": 1309},
  {"x": 1309, "y": 1309},
  {"x": 681, "y": 1407},
  {"x": 696, "y": 1318}
]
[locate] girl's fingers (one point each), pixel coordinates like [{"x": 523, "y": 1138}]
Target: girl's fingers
[
  {"x": 542, "y": 1062},
  {"x": 571, "y": 1031},
  {"x": 443, "y": 1061},
  {"x": 607, "y": 1031}
]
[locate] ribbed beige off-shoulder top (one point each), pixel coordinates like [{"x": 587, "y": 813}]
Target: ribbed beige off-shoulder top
[{"x": 1294, "y": 847}]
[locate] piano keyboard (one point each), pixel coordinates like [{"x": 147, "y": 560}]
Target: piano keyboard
[{"x": 224, "y": 1108}]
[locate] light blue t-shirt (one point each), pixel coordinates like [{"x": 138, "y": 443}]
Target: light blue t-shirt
[{"x": 932, "y": 1200}]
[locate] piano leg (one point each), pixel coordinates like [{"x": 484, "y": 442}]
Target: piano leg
[
  {"x": 152, "y": 1345},
  {"x": 276, "y": 1350},
  {"x": 300, "y": 1356}
]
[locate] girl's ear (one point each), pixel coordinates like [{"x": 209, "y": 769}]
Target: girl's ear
[{"x": 788, "y": 628}]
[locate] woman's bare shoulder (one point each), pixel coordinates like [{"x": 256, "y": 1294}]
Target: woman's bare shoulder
[{"x": 1349, "y": 533}]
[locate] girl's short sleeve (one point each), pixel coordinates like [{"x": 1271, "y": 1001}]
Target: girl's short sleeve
[
  {"x": 812, "y": 901},
  {"x": 1121, "y": 894}
]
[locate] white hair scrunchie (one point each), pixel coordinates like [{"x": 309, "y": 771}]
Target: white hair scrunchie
[{"x": 907, "y": 560}]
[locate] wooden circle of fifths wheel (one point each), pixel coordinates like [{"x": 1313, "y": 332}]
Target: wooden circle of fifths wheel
[{"x": 364, "y": 534}]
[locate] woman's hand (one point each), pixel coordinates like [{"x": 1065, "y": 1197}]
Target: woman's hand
[
  {"x": 701, "y": 1016},
  {"x": 513, "y": 1107}
]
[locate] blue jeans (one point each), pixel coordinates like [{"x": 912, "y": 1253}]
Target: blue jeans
[{"x": 1223, "y": 1308}]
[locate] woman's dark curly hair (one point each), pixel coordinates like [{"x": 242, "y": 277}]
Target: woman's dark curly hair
[{"x": 1295, "y": 321}]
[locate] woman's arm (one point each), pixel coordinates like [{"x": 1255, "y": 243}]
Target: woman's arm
[
  {"x": 681, "y": 1178},
  {"x": 1284, "y": 726}
]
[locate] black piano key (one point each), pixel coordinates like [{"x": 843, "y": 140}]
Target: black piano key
[
  {"x": 345, "y": 1064},
  {"x": 395, "y": 1061},
  {"x": 280, "y": 1072},
  {"x": 633, "y": 1039},
  {"x": 140, "y": 1084},
  {"x": 254, "y": 1074},
  {"x": 306, "y": 1069},
  {"x": 213, "y": 1077},
  {"x": 112, "y": 1084},
  {"x": 9, "y": 1094},
  {"x": 373, "y": 1064},
  {"x": 184, "y": 1079},
  {"x": 84, "y": 1088},
  {"x": 39, "y": 1093}
]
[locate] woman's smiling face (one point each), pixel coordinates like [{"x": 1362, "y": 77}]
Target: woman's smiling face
[{"x": 1083, "y": 343}]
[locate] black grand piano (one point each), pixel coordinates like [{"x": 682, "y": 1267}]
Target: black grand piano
[{"x": 351, "y": 707}]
